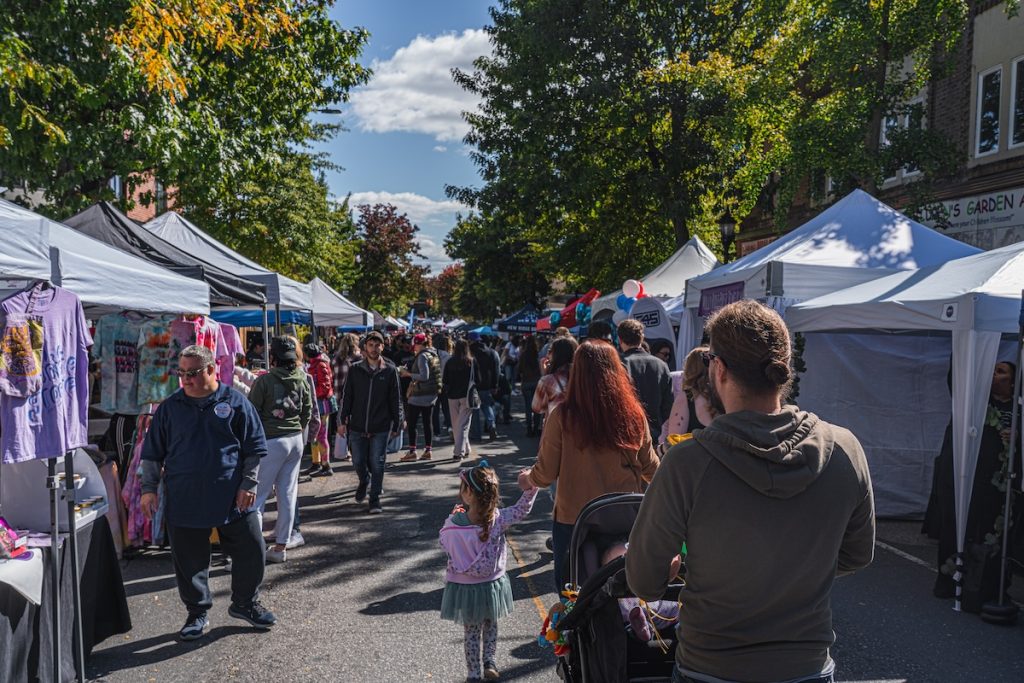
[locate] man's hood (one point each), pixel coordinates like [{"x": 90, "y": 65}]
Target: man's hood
[
  {"x": 296, "y": 374},
  {"x": 777, "y": 455}
]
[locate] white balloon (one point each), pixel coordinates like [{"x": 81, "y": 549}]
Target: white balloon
[
  {"x": 631, "y": 288},
  {"x": 619, "y": 316}
]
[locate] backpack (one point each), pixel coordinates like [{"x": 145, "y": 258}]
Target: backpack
[{"x": 432, "y": 385}]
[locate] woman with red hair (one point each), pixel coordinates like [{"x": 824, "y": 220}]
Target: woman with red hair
[{"x": 595, "y": 442}]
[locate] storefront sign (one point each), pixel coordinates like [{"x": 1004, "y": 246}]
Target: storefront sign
[
  {"x": 751, "y": 246},
  {"x": 713, "y": 298},
  {"x": 989, "y": 221}
]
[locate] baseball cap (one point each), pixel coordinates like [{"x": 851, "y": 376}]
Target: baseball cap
[
  {"x": 375, "y": 335},
  {"x": 473, "y": 336},
  {"x": 419, "y": 338},
  {"x": 311, "y": 350},
  {"x": 283, "y": 348}
]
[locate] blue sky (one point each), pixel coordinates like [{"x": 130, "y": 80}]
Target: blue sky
[{"x": 404, "y": 137}]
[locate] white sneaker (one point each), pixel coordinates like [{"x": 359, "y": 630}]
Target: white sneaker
[
  {"x": 276, "y": 556},
  {"x": 295, "y": 540}
]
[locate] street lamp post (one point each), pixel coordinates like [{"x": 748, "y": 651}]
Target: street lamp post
[{"x": 727, "y": 229}]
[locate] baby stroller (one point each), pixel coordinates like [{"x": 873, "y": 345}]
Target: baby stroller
[{"x": 600, "y": 649}]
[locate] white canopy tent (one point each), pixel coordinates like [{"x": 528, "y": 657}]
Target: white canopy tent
[
  {"x": 452, "y": 324},
  {"x": 281, "y": 291},
  {"x": 396, "y": 322},
  {"x": 669, "y": 279},
  {"x": 331, "y": 309},
  {"x": 107, "y": 279},
  {"x": 25, "y": 247},
  {"x": 975, "y": 300}
]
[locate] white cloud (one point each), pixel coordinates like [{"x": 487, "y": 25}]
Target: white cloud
[
  {"x": 414, "y": 91},
  {"x": 434, "y": 253},
  {"x": 422, "y": 211},
  {"x": 440, "y": 148}
]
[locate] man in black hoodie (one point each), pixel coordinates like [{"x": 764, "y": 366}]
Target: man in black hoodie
[
  {"x": 771, "y": 503},
  {"x": 650, "y": 376},
  {"x": 370, "y": 415},
  {"x": 488, "y": 365}
]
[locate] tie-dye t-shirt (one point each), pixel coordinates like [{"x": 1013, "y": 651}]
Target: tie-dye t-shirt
[
  {"x": 158, "y": 360},
  {"x": 117, "y": 348},
  {"x": 53, "y": 420}
]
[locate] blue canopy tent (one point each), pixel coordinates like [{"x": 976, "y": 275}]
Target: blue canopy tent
[
  {"x": 254, "y": 318},
  {"x": 523, "y": 321}
]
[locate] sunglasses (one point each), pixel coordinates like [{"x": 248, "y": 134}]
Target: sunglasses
[
  {"x": 708, "y": 356},
  {"x": 190, "y": 374}
]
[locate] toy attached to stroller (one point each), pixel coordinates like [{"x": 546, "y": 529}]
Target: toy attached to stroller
[{"x": 598, "y": 644}]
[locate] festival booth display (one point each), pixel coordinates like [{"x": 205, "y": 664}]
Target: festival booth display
[
  {"x": 667, "y": 280},
  {"x": 395, "y": 323},
  {"x": 657, "y": 324},
  {"x": 577, "y": 313},
  {"x": 103, "y": 222},
  {"x": 523, "y": 321},
  {"x": 971, "y": 303},
  {"x": 44, "y": 397},
  {"x": 855, "y": 240},
  {"x": 331, "y": 309},
  {"x": 454, "y": 324}
]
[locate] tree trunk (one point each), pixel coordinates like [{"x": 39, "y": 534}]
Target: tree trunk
[{"x": 873, "y": 135}]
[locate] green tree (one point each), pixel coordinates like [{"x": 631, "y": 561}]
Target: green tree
[
  {"x": 280, "y": 215},
  {"x": 388, "y": 279},
  {"x": 443, "y": 290}
]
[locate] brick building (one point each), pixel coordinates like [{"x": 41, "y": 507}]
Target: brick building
[{"x": 979, "y": 105}]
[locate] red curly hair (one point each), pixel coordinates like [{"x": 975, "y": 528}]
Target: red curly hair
[{"x": 601, "y": 408}]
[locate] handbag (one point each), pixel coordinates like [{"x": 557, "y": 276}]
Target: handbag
[{"x": 472, "y": 393}]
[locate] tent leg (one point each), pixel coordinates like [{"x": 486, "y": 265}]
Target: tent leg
[
  {"x": 312, "y": 326},
  {"x": 277, "y": 319},
  {"x": 53, "y": 485},
  {"x": 1002, "y": 612},
  {"x": 69, "y": 492},
  {"x": 266, "y": 339}
]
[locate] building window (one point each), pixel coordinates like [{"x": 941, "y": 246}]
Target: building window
[
  {"x": 987, "y": 128},
  {"x": 161, "y": 197},
  {"x": 890, "y": 124},
  {"x": 1017, "y": 102},
  {"x": 913, "y": 120},
  {"x": 117, "y": 185}
]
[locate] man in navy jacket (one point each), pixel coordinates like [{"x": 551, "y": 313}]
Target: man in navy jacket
[{"x": 207, "y": 440}]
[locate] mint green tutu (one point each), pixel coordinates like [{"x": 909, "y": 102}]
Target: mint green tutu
[{"x": 472, "y": 603}]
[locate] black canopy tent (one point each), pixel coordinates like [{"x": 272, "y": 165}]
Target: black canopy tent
[
  {"x": 102, "y": 221},
  {"x": 523, "y": 321}
]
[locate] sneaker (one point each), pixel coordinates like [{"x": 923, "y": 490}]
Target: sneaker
[
  {"x": 361, "y": 492},
  {"x": 375, "y": 508},
  {"x": 457, "y": 457},
  {"x": 295, "y": 540},
  {"x": 277, "y": 556},
  {"x": 492, "y": 433},
  {"x": 308, "y": 472},
  {"x": 326, "y": 471},
  {"x": 408, "y": 457},
  {"x": 256, "y": 614},
  {"x": 426, "y": 454},
  {"x": 194, "y": 627},
  {"x": 491, "y": 673}
]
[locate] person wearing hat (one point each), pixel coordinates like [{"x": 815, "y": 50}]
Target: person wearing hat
[
  {"x": 285, "y": 404},
  {"x": 369, "y": 415},
  {"x": 424, "y": 387},
  {"x": 327, "y": 404}
]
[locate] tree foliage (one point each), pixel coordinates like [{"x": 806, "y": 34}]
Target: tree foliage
[
  {"x": 388, "y": 278},
  {"x": 443, "y": 291}
]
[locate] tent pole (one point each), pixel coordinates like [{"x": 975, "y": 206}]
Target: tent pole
[
  {"x": 312, "y": 325},
  {"x": 266, "y": 338},
  {"x": 1002, "y": 612},
  {"x": 277, "y": 319}
]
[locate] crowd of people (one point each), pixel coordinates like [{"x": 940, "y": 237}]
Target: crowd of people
[{"x": 609, "y": 414}]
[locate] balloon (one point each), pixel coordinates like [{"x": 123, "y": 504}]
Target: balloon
[
  {"x": 642, "y": 293},
  {"x": 556, "y": 318},
  {"x": 579, "y": 310},
  {"x": 619, "y": 316},
  {"x": 632, "y": 288},
  {"x": 623, "y": 302}
]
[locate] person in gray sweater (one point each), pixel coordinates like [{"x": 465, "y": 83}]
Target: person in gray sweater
[{"x": 768, "y": 504}]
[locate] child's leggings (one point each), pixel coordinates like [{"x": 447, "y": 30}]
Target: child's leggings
[{"x": 488, "y": 632}]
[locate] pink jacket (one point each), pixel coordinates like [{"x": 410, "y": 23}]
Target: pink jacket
[{"x": 471, "y": 560}]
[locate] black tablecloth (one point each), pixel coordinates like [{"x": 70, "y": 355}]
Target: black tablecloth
[{"x": 26, "y": 631}]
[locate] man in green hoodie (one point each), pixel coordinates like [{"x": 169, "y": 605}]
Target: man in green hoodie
[{"x": 772, "y": 504}]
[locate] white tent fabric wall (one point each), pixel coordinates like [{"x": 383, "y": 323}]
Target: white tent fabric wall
[
  {"x": 185, "y": 235},
  {"x": 668, "y": 280},
  {"x": 109, "y": 280},
  {"x": 25, "y": 247},
  {"x": 331, "y": 309}
]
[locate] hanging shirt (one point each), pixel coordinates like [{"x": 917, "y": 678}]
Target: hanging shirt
[
  {"x": 158, "y": 359},
  {"x": 53, "y": 420},
  {"x": 203, "y": 331},
  {"x": 117, "y": 348},
  {"x": 233, "y": 347}
]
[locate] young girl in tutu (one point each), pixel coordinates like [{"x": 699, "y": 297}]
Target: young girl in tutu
[{"x": 477, "y": 591}]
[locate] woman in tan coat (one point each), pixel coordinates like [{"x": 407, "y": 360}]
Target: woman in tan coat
[{"x": 595, "y": 442}]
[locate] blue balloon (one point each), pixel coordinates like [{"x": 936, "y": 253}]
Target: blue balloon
[
  {"x": 579, "y": 310},
  {"x": 622, "y": 302},
  {"x": 556, "y": 318}
]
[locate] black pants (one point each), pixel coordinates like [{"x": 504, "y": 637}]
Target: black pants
[
  {"x": 412, "y": 416},
  {"x": 242, "y": 540}
]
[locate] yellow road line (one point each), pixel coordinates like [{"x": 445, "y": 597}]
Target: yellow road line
[{"x": 541, "y": 610}]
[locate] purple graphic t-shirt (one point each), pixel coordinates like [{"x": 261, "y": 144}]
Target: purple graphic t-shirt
[{"x": 54, "y": 419}]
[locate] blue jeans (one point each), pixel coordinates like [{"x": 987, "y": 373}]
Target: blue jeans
[
  {"x": 678, "y": 677},
  {"x": 561, "y": 537},
  {"x": 369, "y": 453},
  {"x": 484, "y": 417}
]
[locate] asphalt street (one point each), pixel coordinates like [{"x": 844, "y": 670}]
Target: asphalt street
[{"x": 360, "y": 601}]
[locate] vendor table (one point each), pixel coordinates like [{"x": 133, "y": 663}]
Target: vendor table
[{"x": 26, "y": 629}]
